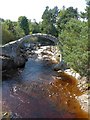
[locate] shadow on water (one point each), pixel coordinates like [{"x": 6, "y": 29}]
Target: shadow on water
[{"x": 34, "y": 92}]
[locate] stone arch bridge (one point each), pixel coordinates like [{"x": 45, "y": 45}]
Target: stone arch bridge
[
  {"x": 11, "y": 48},
  {"x": 14, "y": 51},
  {"x": 15, "y": 44},
  {"x": 47, "y": 36}
]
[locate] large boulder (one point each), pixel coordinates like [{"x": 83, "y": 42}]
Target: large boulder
[{"x": 13, "y": 56}]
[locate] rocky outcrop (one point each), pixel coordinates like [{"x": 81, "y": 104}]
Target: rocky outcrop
[
  {"x": 13, "y": 56},
  {"x": 84, "y": 101},
  {"x": 48, "y": 53}
]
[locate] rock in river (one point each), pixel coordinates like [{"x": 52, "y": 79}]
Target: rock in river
[{"x": 6, "y": 63}]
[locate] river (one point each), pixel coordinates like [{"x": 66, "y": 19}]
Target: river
[{"x": 36, "y": 92}]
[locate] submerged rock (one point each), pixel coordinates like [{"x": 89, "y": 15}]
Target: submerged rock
[{"x": 61, "y": 66}]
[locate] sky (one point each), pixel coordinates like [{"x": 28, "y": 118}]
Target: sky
[{"x": 33, "y": 9}]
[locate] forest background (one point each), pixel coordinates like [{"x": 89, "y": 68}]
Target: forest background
[{"x": 67, "y": 24}]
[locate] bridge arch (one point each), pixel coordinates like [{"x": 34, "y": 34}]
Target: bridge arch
[
  {"x": 23, "y": 39},
  {"x": 47, "y": 36}
]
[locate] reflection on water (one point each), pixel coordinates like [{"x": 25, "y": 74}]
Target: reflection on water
[{"x": 35, "y": 92}]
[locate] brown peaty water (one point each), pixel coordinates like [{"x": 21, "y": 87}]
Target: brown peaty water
[{"x": 35, "y": 92}]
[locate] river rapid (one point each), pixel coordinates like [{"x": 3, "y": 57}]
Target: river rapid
[{"x": 37, "y": 91}]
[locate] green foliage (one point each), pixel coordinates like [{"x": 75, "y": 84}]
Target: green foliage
[
  {"x": 65, "y": 15},
  {"x": 86, "y": 14},
  {"x": 48, "y": 25},
  {"x": 11, "y": 31},
  {"x": 83, "y": 15},
  {"x": 75, "y": 42},
  {"x": 7, "y": 36},
  {"x": 50, "y": 14},
  {"x": 34, "y": 27},
  {"x": 18, "y": 32},
  {"x": 23, "y": 23},
  {"x": 1, "y": 20}
]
